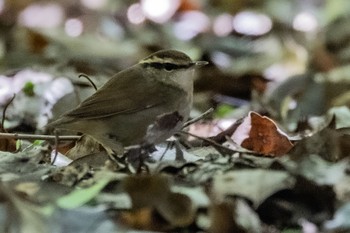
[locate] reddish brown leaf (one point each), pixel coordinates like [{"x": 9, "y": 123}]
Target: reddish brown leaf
[{"x": 260, "y": 134}]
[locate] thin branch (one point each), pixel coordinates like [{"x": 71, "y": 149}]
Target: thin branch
[
  {"x": 38, "y": 137},
  {"x": 56, "y": 146},
  {"x": 200, "y": 117},
  {"x": 2, "y": 127},
  {"x": 168, "y": 146},
  {"x": 218, "y": 146},
  {"x": 89, "y": 79},
  {"x": 222, "y": 136},
  {"x": 224, "y": 149}
]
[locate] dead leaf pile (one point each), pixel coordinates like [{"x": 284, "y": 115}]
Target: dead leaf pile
[{"x": 272, "y": 158}]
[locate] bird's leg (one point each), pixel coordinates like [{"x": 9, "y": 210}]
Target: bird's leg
[
  {"x": 137, "y": 155},
  {"x": 179, "y": 155}
]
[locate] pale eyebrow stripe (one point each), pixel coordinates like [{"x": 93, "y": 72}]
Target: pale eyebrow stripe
[{"x": 161, "y": 65}]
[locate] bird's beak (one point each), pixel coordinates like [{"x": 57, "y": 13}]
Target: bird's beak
[{"x": 197, "y": 64}]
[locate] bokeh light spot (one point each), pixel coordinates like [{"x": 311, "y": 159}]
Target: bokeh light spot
[
  {"x": 159, "y": 11},
  {"x": 42, "y": 16},
  {"x": 190, "y": 24},
  {"x": 305, "y": 22},
  {"x": 73, "y": 27},
  {"x": 94, "y": 4},
  {"x": 223, "y": 25},
  {"x": 135, "y": 14},
  {"x": 252, "y": 23},
  {"x": 2, "y": 5}
]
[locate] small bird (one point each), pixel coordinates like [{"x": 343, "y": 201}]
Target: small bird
[{"x": 142, "y": 105}]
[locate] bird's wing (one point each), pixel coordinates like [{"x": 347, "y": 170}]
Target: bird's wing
[{"x": 118, "y": 96}]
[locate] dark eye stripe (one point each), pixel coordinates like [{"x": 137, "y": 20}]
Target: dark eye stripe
[{"x": 167, "y": 66}]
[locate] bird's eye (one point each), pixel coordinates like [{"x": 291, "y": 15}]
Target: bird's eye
[{"x": 169, "y": 66}]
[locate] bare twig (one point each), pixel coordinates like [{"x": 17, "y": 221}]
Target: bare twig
[
  {"x": 218, "y": 146},
  {"x": 168, "y": 146},
  {"x": 56, "y": 146},
  {"x": 89, "y": 79},
  {"x": 38, "y": 137},
  {"x": 200, "y": 117},
  {"x": 224, "y": 149},
  {"x": 2, "y": 127},
  {"x": 222, "y": 136}
]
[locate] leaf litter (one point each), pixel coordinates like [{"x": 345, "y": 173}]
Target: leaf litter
[{"x": 287, "y": 174}]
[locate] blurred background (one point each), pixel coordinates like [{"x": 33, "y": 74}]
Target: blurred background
[{"x": 278, "y": 57}]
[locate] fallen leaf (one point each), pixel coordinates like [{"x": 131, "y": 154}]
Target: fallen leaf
[
  {"x": 340, "y": 221},
  {"x": 152, "y": 198},
  {"x": 7, "y": 144},
  {"x": 342, "y": 115},
  {"x": 177, "y": 210},
  {"x": 143, "y": 218},
  {"x": 80, "y": 197},
  {"x": 322, "y": 172},
  {"x": 223, "y": 219},
  {"x": 303, "y": 200},
  {"x": 146, "y": 190},
  {"x": 84, "y": 146},
  {"x": 260, "y": 134},
  {"x": 253, "y": 184},
  {"x": 329, "y": 143}
]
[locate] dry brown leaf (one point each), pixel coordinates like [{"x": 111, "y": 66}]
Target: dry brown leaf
[
  {"x": 177, "y": 209},
  {"x": 260, "y": 134},
  {"x": 7, "y": 144},
  {"x": 154, "y": 205},
  {"x": 84, "y": 146},
  {"x": 143, "y": 218},
  {"x": 329, "y": 143},
  {"x": 223, "y": 219}
]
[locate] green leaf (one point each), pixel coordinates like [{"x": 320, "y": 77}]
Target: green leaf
[
  {"x": 18, "y": 144},
  {"x": 80, "y": 197},
  {"x": 223, "y": 110},
  {"x": 28, "y": 89},
  {"x": 38, "y": 142}
]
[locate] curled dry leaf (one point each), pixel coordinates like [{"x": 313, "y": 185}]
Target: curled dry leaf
[
  {"x": 260, "y": 134},
  {"x": 84, "y": 146}
]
